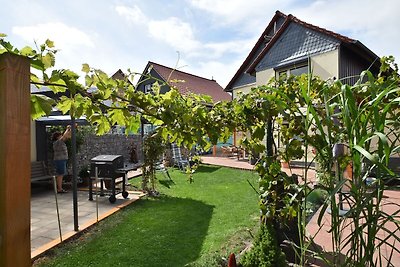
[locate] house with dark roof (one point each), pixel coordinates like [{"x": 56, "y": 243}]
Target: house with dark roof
[
  {"x": 183, "y": 81},
  {"x": 290, "y": 46}
]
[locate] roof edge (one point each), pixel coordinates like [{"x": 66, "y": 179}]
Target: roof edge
[
  {"x": 252, "y": 67},
  {"x": 291, "y": 18},
  {"x": 242, "y": 69},
  {"x": 187, "y": 73}
]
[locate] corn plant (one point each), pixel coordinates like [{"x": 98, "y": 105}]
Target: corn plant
[
  {"x": 365, "y": 118},
  {"x": 368, "y": 116}
]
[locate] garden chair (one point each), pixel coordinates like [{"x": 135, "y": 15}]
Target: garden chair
[
  {"x": 161, "y": 167},
  {"x": 179, "y": 161}
]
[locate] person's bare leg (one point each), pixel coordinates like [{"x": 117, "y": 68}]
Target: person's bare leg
[{"x": 59, "y": 183}]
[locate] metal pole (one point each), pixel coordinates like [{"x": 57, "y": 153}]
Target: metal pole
[
  {"x": 97, "y": 192},
  {"x": 58, "y": 211},
  {"x": 74, "y": 174},
  {"x": 270, "y": 138}
]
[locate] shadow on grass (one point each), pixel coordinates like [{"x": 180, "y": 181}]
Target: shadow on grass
[
  {"x": 201, "y": 169},
  {"x": 165, "y": 231},
  {"x": 167, "y": 183},
  {"x": 207, "y": 169}
]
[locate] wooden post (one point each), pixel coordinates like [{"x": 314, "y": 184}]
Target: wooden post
[{"x": 15, "y": 187}]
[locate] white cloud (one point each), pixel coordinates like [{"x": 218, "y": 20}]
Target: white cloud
[
  {"x": 247, "y": 15},
  {"x": 181, "y": 36},
  {"x": 174, "y": 32},
  {"x": 133, "y": 14},
  {"x": 63, "y": 35},
  {"x": 234, "y": 46},
  {"x": 220, "y": 71},
  {"x": 374, "y": 23}
]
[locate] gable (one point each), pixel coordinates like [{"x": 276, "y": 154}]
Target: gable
[
  {"x": 184, "y": 82},
  {"x": 295, "y": 43},
  {"x": 242, "y": 78}
]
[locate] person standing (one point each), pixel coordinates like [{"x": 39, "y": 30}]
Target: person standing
[{"x": 61, "y": 156}]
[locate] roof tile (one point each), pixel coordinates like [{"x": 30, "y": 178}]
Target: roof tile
[{"x": 191, "y": 83}]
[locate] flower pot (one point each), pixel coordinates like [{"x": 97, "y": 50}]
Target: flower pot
[{"x": 285, "y": 164}]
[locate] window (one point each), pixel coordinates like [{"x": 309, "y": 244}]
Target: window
[
  {"x": 147, "y": 88},
  {"x": 296, "y": 71}
]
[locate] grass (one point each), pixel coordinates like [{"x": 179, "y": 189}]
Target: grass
[{"x": 189, "y": 224}]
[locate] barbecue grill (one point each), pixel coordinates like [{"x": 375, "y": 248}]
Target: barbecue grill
[{"x": 108, "y": 169}]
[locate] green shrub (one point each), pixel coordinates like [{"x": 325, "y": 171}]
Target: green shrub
[
  {"x": 317, "y": 196},
  {"x": 265, "y": 252},
  {"x": 208, "y": 260}
]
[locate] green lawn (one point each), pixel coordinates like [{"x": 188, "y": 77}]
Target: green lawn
[{"x": 188, "y": 223}]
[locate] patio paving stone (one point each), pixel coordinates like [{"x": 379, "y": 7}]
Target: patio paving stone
[{"x": 44, "y": 223}]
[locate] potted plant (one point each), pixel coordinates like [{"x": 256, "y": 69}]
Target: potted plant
[{"x": 84, "y": 175}]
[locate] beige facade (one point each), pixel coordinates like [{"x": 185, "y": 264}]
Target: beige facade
[
  {"x": 263, "y": 77},
  {"x": 326, "y": 65},
  {"x": 242, "y": 89}
]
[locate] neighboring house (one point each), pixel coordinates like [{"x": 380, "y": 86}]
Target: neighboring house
[
  {"x": 183, "y": 81},
  {"x": 288, "y": 45}
]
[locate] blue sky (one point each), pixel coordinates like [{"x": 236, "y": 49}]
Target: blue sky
[{"x": 209, "y": 38}]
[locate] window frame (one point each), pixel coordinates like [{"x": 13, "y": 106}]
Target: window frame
[
  {"x": 147, "y": 88},
  {"x": 285, "y": 72}
]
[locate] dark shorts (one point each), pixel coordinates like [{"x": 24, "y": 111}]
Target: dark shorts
[{"x": 61, "y": 167}]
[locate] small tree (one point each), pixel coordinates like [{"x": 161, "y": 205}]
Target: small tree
[{"x": 153, "y": 149}]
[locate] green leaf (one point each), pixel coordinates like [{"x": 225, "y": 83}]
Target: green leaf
[
  {"x": 49, "y": 43},
  {"x": 102, "y": 124},
  {"x": 65, "y": 104},
  {"x": 48, "y": 60},
  {"x": 133, "y": 124},
  {"x": 80, "y": 105},
  {"x": 37, "y": 64},
  {"x": 259, "y": 132},
  {"x": 117, "y": 117},
  {"x": 40, "y": 105},
  {"x": 7, "y": 45},
  {"x": 2, "y": 35},
  {"x": 366, "y": 154},
  {"x": 85, "y": 68},
  {"x": 35, "y": 79},
  {"x": 27, "y": 51},
  {"x": 385, "y": 143}
]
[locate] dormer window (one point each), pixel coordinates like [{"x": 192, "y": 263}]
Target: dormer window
[
  {"x": 295, "y": 71},
  {"x": 147, "y": 88}
]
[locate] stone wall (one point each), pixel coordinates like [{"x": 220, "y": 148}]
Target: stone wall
[
  {"x": 108, "y": 144},
  {"x": 93, "y": 145}
]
